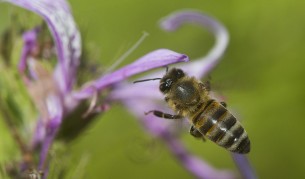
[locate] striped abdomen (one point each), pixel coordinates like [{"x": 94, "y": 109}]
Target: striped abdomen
[{"x": 217, "y": 124}]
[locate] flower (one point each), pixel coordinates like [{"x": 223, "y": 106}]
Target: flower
[{"x": 52, "y": 91}]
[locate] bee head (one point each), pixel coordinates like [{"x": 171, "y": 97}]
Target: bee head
[{"x": 169, "y": 79}]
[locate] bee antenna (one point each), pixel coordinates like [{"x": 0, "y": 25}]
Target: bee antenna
[{"x": 139, "y": 81}]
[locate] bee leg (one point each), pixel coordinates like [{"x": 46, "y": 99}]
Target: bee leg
[
  {"x": 224, "y": 104},
  {"x": 205, "y": 85},
  {"x": 164, "y": 115},
  {"x": 195, "y": 133}
]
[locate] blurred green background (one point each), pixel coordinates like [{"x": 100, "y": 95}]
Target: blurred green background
[{"x": 261, "y": 76}]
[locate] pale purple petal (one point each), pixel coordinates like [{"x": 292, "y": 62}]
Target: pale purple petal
[
  {"x": 39, "y": 134},
  {"x": 29, "y": 42},
  {"x": 52, "y": 130},
  {"x": 55, "y": 109},
  {"x": 67, "y": 39},
  {"x": 199, "y": 68},
  {"x": 155, "y": 59}
]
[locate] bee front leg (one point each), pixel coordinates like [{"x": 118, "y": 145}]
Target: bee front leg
[
  {"x": 195, "y": 133},
  {"x": 164, "y": 115},
  {"x": 205, "y": 86}
]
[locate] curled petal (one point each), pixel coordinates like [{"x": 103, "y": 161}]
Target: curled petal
[
  {"x": 65, "y": 33},
  {"x": 200, "y": 67},
  {"x": 197, "y": 68},
  {"x": 155, "y": 59}
]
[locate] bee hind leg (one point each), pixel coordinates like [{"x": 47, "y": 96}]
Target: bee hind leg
[
  {"x": 164, "y": 115},
  {"x": 195, "y": 133}
]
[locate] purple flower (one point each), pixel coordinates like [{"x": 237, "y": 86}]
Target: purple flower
[{"x": 52, "y": 90}]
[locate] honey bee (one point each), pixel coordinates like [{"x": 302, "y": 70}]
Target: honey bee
[{"x": 190, "y": 99}]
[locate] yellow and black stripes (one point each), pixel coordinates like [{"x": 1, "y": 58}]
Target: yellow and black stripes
[{"x": 216, "y": 123}]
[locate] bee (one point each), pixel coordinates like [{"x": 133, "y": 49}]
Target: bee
[{"x": 190, "y": 99}]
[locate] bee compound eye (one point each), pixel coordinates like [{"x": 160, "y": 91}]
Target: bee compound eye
[
  {"x": 165, "y": 86},
  {"x": 180, "y": 73}
]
